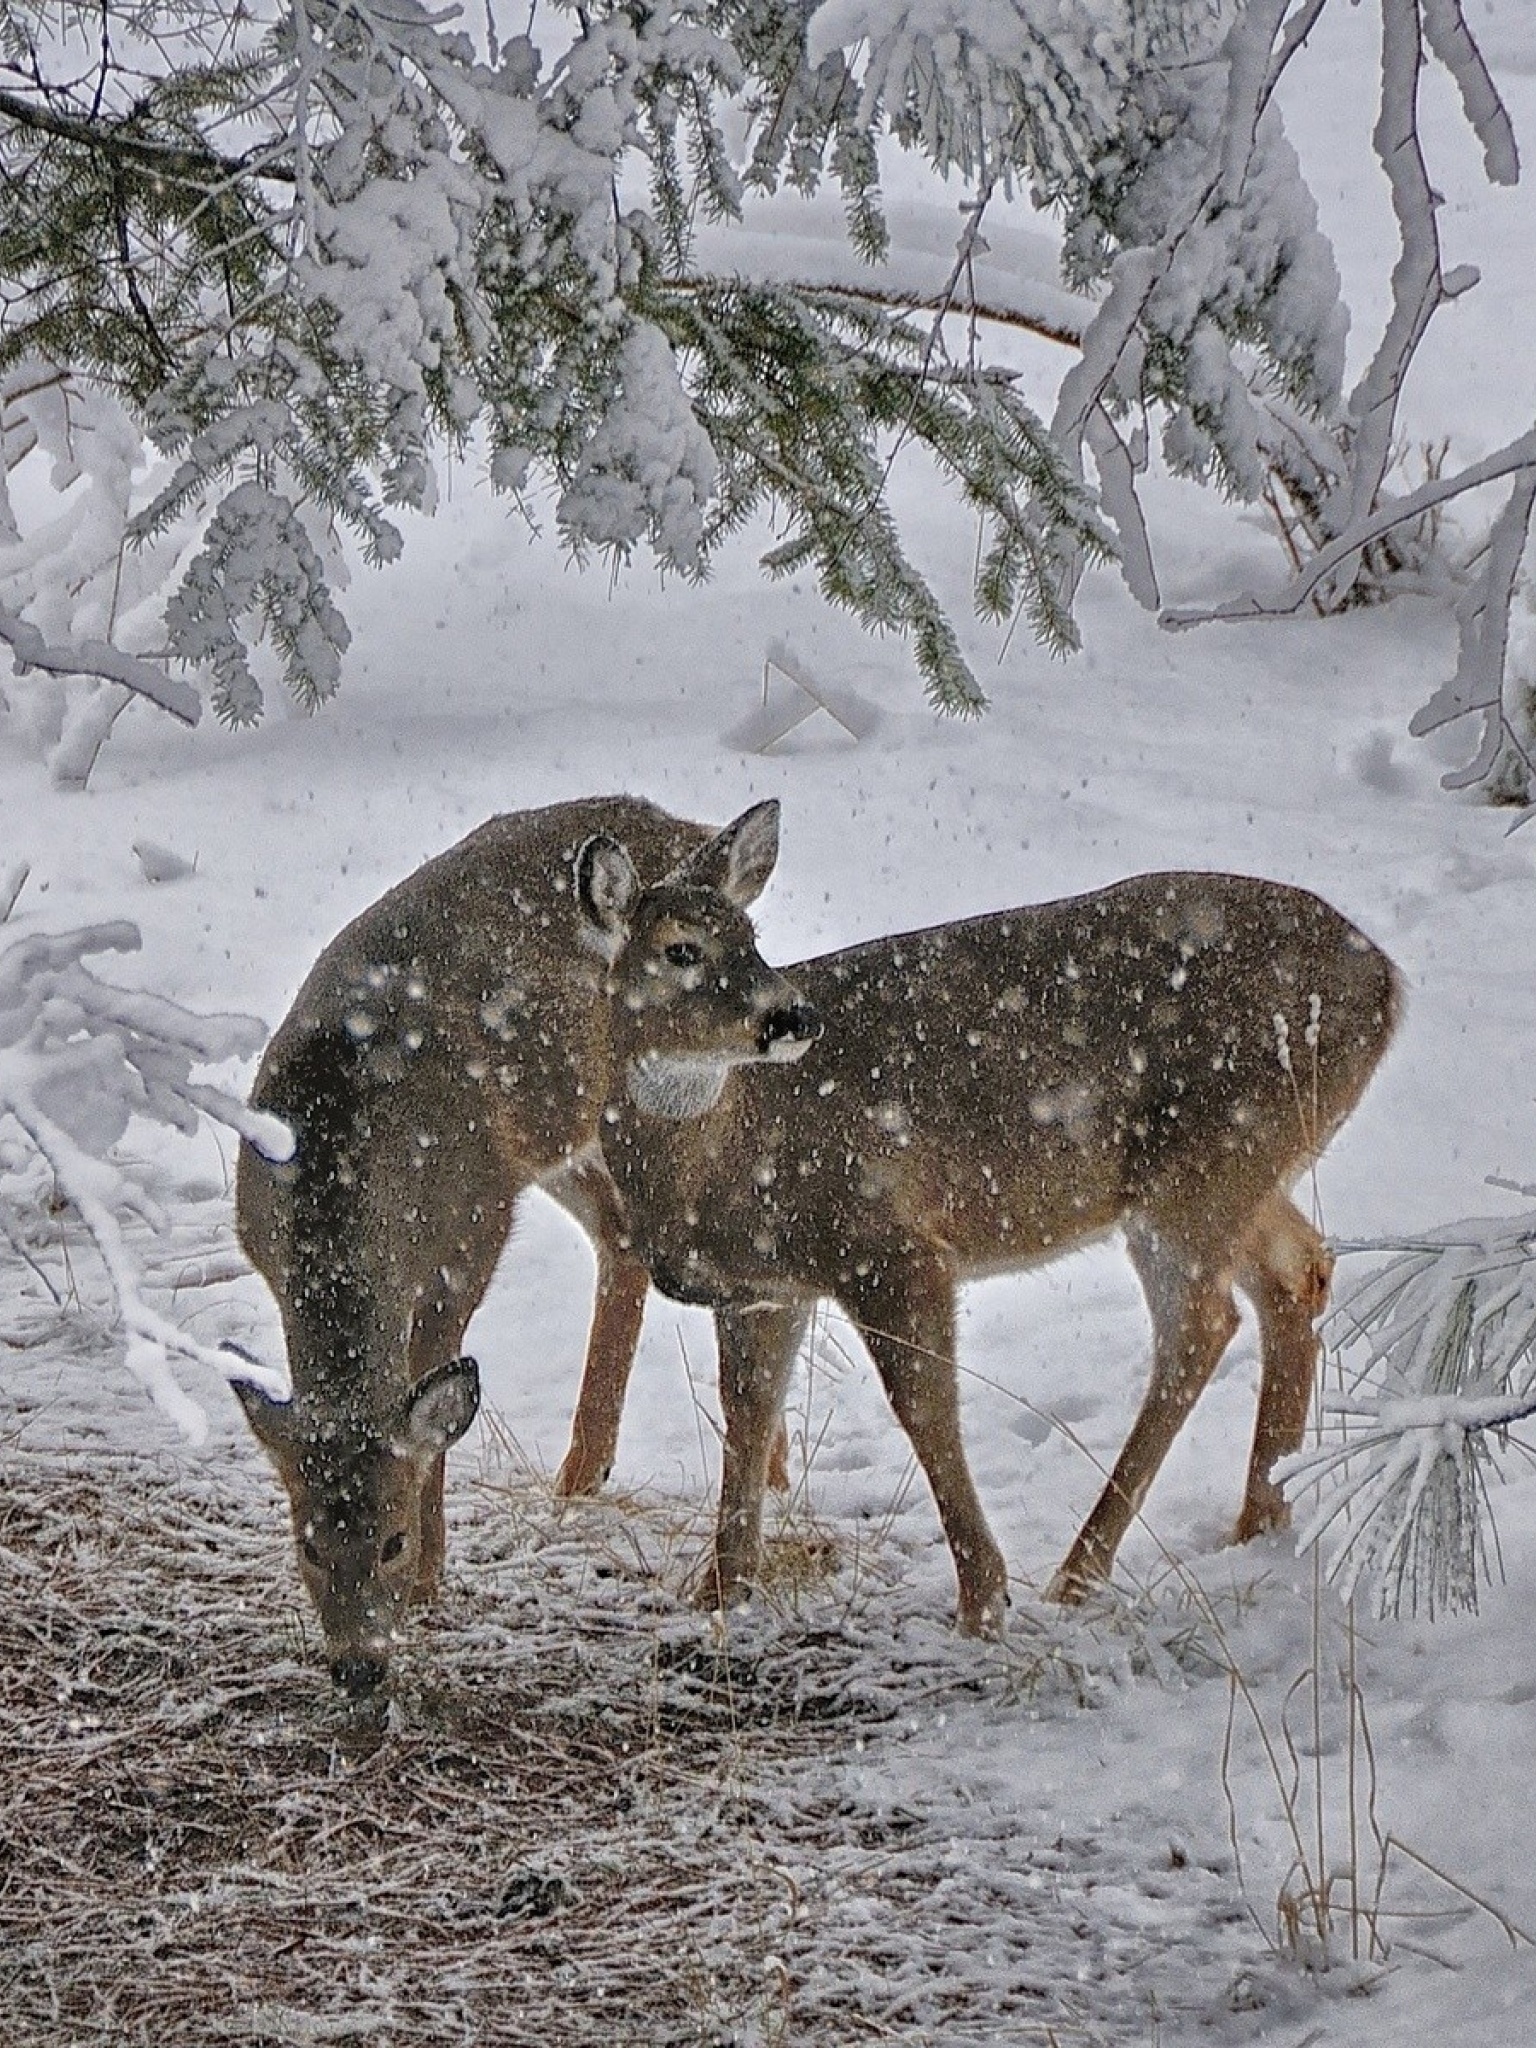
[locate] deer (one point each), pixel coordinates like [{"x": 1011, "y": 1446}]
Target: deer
[
  {"x": 448, "y": 1050},
  {"x": 1164, "y": 1057}
]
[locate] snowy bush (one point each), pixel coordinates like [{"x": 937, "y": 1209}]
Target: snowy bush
[
  {"x": 1447, "y": 1326},
  {"x": 80, "y": 1057}
]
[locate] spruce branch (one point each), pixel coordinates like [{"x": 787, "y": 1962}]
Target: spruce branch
[
  {"x": 1446, "y": 1330},
  {"x": 79, "y": 1057}
]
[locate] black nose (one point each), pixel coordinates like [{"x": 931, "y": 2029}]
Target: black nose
[
  {"x": 359, "y": 1676},
  {"x": 797, "y": 1021}
]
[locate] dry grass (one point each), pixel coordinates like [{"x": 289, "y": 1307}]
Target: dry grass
[
  {"x": 556, "y": 1834},
  {"x": 582, "y": 1819},
  {"x": 536, "y": 1844}
]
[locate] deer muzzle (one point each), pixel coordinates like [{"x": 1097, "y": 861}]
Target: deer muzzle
[
  {"x": 788, "y": 1031},
  {"x": 359, "y": 1677}
]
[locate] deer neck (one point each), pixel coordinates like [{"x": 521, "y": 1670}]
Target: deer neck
[{"x": 676, "y": 1090}]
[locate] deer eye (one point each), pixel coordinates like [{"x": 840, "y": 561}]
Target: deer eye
[
  {"x": 311, "y": 1551},
  {"x": 393, "y": 1545},
  {"x": 684, "y": 953}
]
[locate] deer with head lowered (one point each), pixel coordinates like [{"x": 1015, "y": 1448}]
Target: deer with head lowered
[
  {"x": 448, "y": 1050},
  {"x": 1165, "y": 1056}
]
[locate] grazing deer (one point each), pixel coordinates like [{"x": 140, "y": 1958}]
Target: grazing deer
[
  {"x": 1166, "y": 1056},
  {"x": 448, "y": 1050}
]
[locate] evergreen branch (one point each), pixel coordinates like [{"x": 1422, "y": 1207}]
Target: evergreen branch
[
  {"x": 97, "y": 658},
  {"x": 168, "y": 160}
]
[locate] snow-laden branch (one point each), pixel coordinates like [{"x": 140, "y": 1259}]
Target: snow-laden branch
[
  {"x": 1447, "y": 1326},
  {"x": 1418, "y": 286},
  {"x": 79, "y": 1057},
  {"x": 1481, "y": 683},
  {"x": 1445, "y": 27},
  {"x": 311, "y": 251},
  {"x": 1218, "y": 291},
  {"x": 1518, "y": 456},
  {"x": 100, "y": 658}
]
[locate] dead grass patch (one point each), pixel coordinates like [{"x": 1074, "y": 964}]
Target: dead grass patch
[{"x": 586, "y": 1817}]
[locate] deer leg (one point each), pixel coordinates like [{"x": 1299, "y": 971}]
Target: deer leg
[
  {"x": 586, "y": 1192},
  {"x": 1193, "y": 1321},
  {"x": 617, "y": 1312},
  {"x": 438, "y": 1323},
  {"x": 905, "y": 1314},
  {"x": 757, "y": 1351},
  {"x": 1286, "y": 1272}
]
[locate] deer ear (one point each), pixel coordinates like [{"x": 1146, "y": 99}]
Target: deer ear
[
  {"x": 438, "y": 1409},
  {"x": 739, "y": 860},
  {"x": 606, "y": 887},
  {"x": 273, "y": 1423}
]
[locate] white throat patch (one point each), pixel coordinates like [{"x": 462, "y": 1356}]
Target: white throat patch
[{"x": 675, "y": 1088}]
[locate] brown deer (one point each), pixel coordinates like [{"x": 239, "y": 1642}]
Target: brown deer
[
  {"x": 448, "y": 1050},
  {"x": 1164, "y": 1056}
]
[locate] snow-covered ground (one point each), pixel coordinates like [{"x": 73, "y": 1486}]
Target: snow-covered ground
[{"x": 1151, "y": 1806}]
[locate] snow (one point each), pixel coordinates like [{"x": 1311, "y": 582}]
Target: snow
[{"x": 1105, "y": 1824}]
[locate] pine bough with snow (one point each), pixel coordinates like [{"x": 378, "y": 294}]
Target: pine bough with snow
[
  {"x": 79, "y": 1057},
  {"x": 309, "y": 248},
  {"x": 1399, "y": 1481}
]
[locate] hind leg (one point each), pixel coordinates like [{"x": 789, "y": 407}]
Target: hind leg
[
  {"x": 1193, "y": 1320},
  {"x": 1285, "y": 1272}
]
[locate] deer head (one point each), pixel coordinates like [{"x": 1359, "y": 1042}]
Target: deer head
[
  {"x": 693, "y": 997},
  {"x": 365, "y": 1494}
]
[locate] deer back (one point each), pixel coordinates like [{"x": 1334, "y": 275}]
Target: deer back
[{"x": 1010, "y": 1085}]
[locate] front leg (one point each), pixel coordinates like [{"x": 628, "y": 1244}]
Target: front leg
[
  {"x": 586, "y": 1192},
  {"x": 757, "y": 1351},
  {"x": 904, "y": 1308}
]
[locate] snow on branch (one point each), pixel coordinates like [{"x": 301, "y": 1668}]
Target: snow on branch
[
  {"x": 100, "y": 658},
  {"x": 1518, "y": 457},
  {"x": 81, "y": 1056},
  {"x": 1447, "y": 1325},
  {"x": 1218, "y": 295},
  {"x": 1349, "y": 537},
  {"x": 1482, "y": 685},
  {"x": 309, "y": 250}
]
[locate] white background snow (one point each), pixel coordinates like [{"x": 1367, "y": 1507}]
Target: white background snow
[{"x": 489, "y": 675}]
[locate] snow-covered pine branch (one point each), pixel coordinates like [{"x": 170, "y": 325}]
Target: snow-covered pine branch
[
  {"x": 1447, "y": 1328},
  {"x": 80, "y": 1057},
  {"x": 311, "y": 248}
]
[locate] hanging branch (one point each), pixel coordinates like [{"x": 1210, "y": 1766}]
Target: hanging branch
[
  {"x": 1516, "y": 459},
  {"x": 80, "y": 1056},
  {"x": 1480, "y": 686},
  {"x": 97, "y": 658},
  {"x": 1447, "y": 1326}
]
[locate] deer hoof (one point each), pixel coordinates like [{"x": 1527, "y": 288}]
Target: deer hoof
[
  {"x": 1070, "y": 1586},
  {"x": 579, "y": 1477}
]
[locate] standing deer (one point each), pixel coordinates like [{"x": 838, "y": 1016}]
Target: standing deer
[
  {"x": 1164, "y": 1056},
  {"x": 448, "y": 1050}
]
